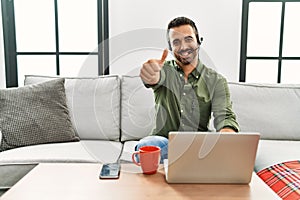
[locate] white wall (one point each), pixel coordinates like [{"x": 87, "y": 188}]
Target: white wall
[
  {"x": 2, "y": 65},
  {"x": 137, "y": 32},
  {"x": 218, "y": 21}
]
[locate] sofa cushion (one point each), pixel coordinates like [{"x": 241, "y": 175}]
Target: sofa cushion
[
  {"x": 271, "y": 152},
  {"x": 128, "y": 149},
  {"x": 35, "y": 114},
  {"x": 83, "y": 151},
  {"x": 138, "y": 109},
  {"x": 94, "y": 104},
  {"x": 271, "y": 109}
]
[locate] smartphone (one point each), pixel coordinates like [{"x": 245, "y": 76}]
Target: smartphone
[{"x": 110, "y": 171}]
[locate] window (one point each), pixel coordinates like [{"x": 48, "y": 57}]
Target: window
[
  {"x": 270, "y": 43},
  {"x": 51, "y": 37}
]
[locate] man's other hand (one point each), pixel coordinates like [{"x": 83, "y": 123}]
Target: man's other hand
[{"x": 227, "y": 129}]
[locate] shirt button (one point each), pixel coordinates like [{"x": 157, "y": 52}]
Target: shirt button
[
  {"x": 181, "y": 110},
  {"x": 197, "y": 76},
  {"x": 183, "y": 94},
  {"x": 180, "y": 75}
]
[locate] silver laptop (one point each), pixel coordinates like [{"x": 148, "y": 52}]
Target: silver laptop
[{"x": 210, "y": 157}]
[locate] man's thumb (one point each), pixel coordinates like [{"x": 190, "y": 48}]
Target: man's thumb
[{"x": 164, "y": 56}]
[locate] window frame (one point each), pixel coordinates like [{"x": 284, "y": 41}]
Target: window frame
[
  {"x": 244, "y": 40},
  {"x": 10, "y": 51}
]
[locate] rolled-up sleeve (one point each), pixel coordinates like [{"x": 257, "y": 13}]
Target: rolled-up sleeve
[{"x": 223, "y": 113}]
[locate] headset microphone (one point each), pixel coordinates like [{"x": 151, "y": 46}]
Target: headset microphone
[
  {"x": 200, "y": 42},
  {"x": 195, "y": 49}
]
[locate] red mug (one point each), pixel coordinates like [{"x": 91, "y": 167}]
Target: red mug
[{"x": 149, "y": 159}]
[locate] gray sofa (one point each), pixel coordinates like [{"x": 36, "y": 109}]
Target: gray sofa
[
  {"x": 273, "y": 110},
  {"x": 110, "y": 113}
]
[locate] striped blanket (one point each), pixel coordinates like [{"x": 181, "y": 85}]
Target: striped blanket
[{"x": 284, "y": 179}]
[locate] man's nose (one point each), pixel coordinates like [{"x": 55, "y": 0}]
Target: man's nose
[{"x": 183, "y": 45}]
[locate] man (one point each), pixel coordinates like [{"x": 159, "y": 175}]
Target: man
[{"x": 186, "y": 91}]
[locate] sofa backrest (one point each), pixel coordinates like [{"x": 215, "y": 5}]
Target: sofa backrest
[
  {"x": 94, "y": 105},
  {"x": 270, "y": 109},
  {"x": 121, "y": 108},
  {"x": 137, "y": 109}
]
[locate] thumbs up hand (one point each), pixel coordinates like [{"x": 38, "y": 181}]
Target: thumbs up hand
[{"x": 150, "y": 71}]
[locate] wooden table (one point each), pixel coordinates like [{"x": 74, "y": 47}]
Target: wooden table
[{"x": 80, "y": 181}]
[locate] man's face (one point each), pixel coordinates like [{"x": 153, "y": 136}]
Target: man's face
[{"x": 184, "y": 44}]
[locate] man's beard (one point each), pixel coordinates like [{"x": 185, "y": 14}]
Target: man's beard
[{"x": 186, "y": 56}]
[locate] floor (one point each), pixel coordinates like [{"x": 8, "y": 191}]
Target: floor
[{"x": 10, "y": 174}]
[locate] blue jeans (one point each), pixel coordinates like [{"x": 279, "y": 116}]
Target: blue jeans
[{"x": 155, "y": 140}]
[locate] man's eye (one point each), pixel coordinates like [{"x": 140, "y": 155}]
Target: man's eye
[
  {"x": 176, "y": 43},
  {"x": 189, "y": 40}
]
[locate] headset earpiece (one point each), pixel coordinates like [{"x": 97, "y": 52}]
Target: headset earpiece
[{"x": 200, "y": 41}]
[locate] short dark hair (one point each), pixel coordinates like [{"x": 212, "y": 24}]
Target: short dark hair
[{"x": 179, "y": 21}]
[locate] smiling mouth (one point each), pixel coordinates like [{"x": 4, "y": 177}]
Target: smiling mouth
[{"x": 185, "y": 53}]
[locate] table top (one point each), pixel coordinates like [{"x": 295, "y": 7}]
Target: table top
[{"x": 81, "y": 181}]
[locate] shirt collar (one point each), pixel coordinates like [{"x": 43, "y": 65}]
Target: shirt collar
[{"x": 195, "y": 73}]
